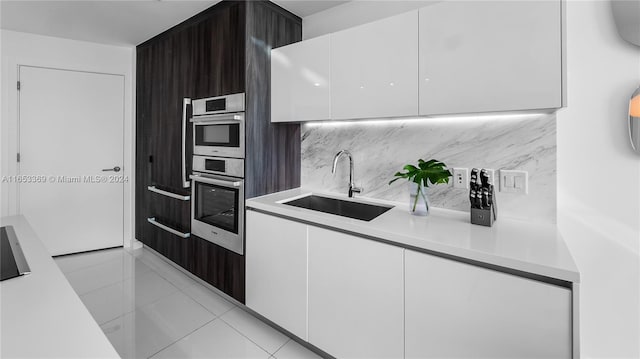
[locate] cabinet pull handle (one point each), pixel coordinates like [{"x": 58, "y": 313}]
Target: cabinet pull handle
[
  {"x": 153, "y": 221},
  {"x": 185, "y": 102},
  {"x": 169, "y": 194}
]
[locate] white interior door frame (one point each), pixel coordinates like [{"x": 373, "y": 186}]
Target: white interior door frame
[
  {"x": 71, "y": 113},
  {"x": 10, "y": 68}
]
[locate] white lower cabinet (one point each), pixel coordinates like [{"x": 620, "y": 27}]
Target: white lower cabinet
[
  {"x": 358, "y": 298},
  {"x": 355, "y": 296},
  {"x": 458, "y": 310},
  {"x": 276, "y": 271}
]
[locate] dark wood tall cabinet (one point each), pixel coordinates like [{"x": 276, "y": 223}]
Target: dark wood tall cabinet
[{"x": 223, "y": 50}]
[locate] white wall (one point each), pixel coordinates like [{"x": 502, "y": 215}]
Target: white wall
[
  {"x": 599, "y": 180},
  {"x": 35, "y": 50}
]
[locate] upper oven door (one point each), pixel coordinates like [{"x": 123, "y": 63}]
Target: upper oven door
[
  {"x": 219, "y": 135},
  {"x": 218, "y": 105}
]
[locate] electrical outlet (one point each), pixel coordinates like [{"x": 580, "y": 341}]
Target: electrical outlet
[
  {"x": 514, "y": 181},
  {"x": 461, "y": 178}
]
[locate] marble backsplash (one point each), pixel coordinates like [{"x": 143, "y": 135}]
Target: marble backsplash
[{"x": 381, "y": 148}]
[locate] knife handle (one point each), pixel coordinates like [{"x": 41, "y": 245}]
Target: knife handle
[
  {"x": 485, "y": 198},
  {"x": 484, "y": 178},
  {"x": 472, "y": 198}
]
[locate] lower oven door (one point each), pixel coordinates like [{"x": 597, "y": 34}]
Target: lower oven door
[{"x": 217, "y": 211}]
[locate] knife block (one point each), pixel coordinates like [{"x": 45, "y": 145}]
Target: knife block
[
  {"x": 485, "y": 216},
  {"x": 482, "y": 217}
]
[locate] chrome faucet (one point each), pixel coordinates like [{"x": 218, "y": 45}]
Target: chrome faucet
[{"x": 352, "y": 187}]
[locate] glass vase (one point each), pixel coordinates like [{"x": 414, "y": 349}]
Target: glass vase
[{"x": 418, "y": 201}]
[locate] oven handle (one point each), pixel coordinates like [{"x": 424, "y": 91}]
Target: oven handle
[
  {"x": 231, "y": 117},
  {"x": 185, "y": 102},
  {"x": 216, "y": 181}
]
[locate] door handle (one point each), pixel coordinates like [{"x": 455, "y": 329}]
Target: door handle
[
  {"x": 185, "y": 102},
  {"x": 114, "y": 169}
]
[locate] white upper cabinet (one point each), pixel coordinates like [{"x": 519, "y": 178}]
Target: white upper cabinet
[
  {"x": 374, "y": 69},
  {"x": 483, "y": 56},
  {"x": 447, "y": 58},
  {"x": 301, "y": 81}
]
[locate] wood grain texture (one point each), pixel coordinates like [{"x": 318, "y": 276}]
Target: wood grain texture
[
  {"x": 219, "y": 267},
  {"x": 272, "y": 150},
  {"x": 223, "y": 50}
]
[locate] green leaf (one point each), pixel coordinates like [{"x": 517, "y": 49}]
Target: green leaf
[
  {"x": 410, "y": 168},
  {"x": 428, "y": 172}
]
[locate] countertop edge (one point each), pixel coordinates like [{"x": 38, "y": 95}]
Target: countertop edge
[
  {"x": 270, "y": 204},
  {"x": 42, "y": 316}
]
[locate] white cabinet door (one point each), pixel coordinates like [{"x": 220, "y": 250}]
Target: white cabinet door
[
  {"x": 355, "y": 296},
  {"x": 458, "y": 310},
  {"x": 301, "y": 81},
  {"x": 276, "y": 270},
  {"x": 480, "y": 56},
  {"x": 374, "y": 69}
]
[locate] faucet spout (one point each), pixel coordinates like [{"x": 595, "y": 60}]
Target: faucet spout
[{"x": 352, "y": 187}]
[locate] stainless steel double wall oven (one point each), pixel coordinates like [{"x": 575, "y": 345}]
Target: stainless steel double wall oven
[{"x": 217, "y": 203}]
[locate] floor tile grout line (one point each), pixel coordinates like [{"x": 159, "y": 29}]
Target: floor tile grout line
[
  {"x": 85, "y": 267},
  {"x": 177, "y": 289},
  {"x": 203, "y": 306},
  {"x": 193, "y": 283},
  {"x": 179, "y": 339},
  {"x": 104, "y": 286},
  {"x": 164, "y": 274},
  {"x": 108, "y": 285},
  {"x": 251, "y": 340},
  {"x": 93, "y": 290},
  {"x": 190, "y": 296},
  {"x": 135, "y": 307},
  {"x": 282, "y": 346},
  {"x": 146, "y": 305}
]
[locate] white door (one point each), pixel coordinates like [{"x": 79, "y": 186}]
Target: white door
[{"x": 70, "y": 129}]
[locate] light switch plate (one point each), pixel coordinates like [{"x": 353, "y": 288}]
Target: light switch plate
[
  {"x": 492, "y": 176},
  {"x": 514, "y": 181},
  {"x": 461, "y": 178}
]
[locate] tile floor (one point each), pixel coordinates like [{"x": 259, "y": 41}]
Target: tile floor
[{"x": 149, "y": 309}]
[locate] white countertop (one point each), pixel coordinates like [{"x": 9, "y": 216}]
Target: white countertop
[
  {"x": 535, "y": 248},
  {"x": 41, "y": 316}
]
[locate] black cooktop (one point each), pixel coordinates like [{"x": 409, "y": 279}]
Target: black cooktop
[{"x": 12, "y": 261}]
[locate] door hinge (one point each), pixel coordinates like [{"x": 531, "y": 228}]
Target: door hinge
[
  {"x": 18, "y": 157},
  {"x": 18, "y": 85}
]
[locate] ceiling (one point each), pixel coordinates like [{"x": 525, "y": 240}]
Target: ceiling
[{"x": 117, "y": 22}]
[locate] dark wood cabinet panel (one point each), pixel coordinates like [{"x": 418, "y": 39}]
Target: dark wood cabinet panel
[
  {"x": 272, "y": 150},
  {"x": 223, "y": 50},
  {"x": 219, "y": 267},
  {"x": 218, "y": 52}
]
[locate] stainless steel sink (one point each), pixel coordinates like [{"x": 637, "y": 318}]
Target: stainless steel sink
[{"x": 351, "y": 209}]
